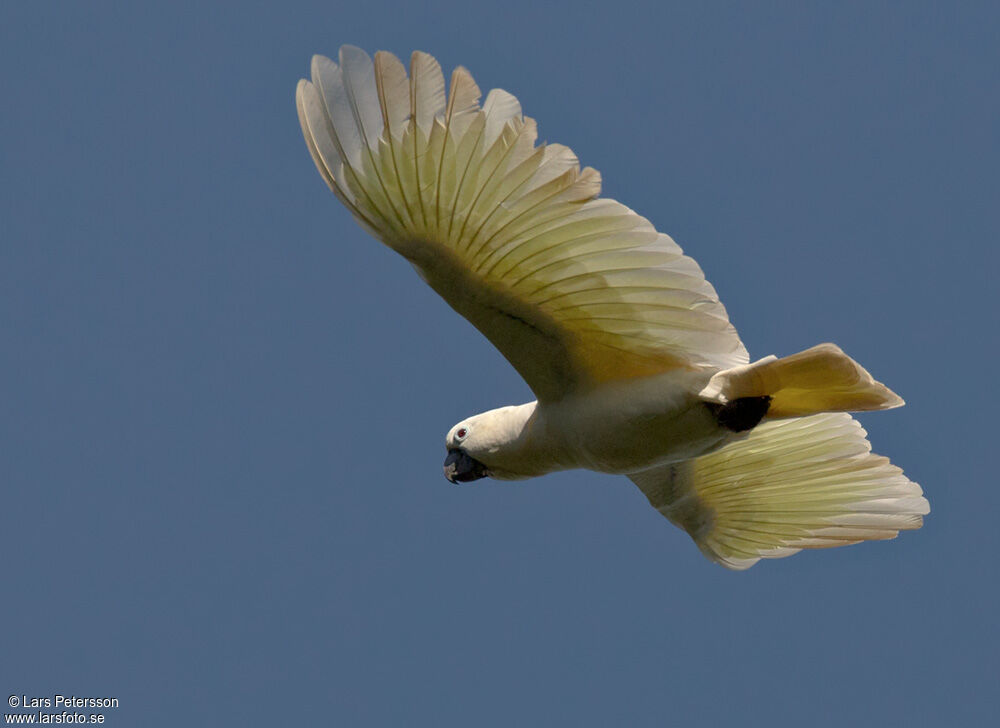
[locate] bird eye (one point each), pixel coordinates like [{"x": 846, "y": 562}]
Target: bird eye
[{"x": 462, "y": 432}]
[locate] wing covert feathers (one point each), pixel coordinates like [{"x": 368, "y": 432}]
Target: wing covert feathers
[
  {"x": 573, "y": 289},
  {"x": 807, "y": 482}
]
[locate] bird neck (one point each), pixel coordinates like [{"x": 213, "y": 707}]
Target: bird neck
[{"x": 525, "y": 446}]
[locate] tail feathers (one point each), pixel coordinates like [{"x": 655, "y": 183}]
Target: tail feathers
[
  {"x": 809, "y": 482},
  {"x": 820, "y": 379}
]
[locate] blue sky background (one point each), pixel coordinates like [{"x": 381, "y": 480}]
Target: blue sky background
[{"x": 223, "y": 405}]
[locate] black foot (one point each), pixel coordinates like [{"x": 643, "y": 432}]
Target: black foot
[{"x": 741, "y": 414}]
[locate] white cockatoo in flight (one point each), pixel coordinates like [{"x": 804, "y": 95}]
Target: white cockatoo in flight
[{"x": 635, "y": 364}]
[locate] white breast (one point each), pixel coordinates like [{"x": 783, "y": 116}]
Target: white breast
[{"x": 630, "y": 426}]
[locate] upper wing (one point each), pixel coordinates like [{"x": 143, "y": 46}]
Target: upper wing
[
  {"x": 572, "y": 289},
  {"x": 806, "y": 482}
]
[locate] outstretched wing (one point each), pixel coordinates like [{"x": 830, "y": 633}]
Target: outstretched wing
[
  {"x": 574, "y": 290},
  {"x": 801, "y": 483}
]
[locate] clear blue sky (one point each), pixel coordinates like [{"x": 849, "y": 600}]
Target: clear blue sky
[{"x": 223, "y": 405}]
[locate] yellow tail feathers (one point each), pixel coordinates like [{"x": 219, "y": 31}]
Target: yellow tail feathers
[{"x": 820, "y": 379}]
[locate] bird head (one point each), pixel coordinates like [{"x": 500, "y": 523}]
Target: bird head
[
  {"x": 464, "y": 442},
  {"x": 489, "y": 444}
]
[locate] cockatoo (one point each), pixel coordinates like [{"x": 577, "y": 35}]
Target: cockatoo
[{"x": 631, "y": 355}]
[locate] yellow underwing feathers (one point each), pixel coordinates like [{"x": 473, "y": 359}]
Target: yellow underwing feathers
[{"x": 511, "y": 233}]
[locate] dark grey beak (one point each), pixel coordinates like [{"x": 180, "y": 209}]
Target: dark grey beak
[{"x": 460, "y": 468}]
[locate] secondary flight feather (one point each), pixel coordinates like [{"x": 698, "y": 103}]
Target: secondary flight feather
[{"x": 635, "y": 364}]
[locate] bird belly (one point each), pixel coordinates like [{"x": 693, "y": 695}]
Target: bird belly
[{"x": 629, "y": 426}]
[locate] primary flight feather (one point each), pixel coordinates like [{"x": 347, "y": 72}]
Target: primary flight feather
[{"x": 635, "y": 364}]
